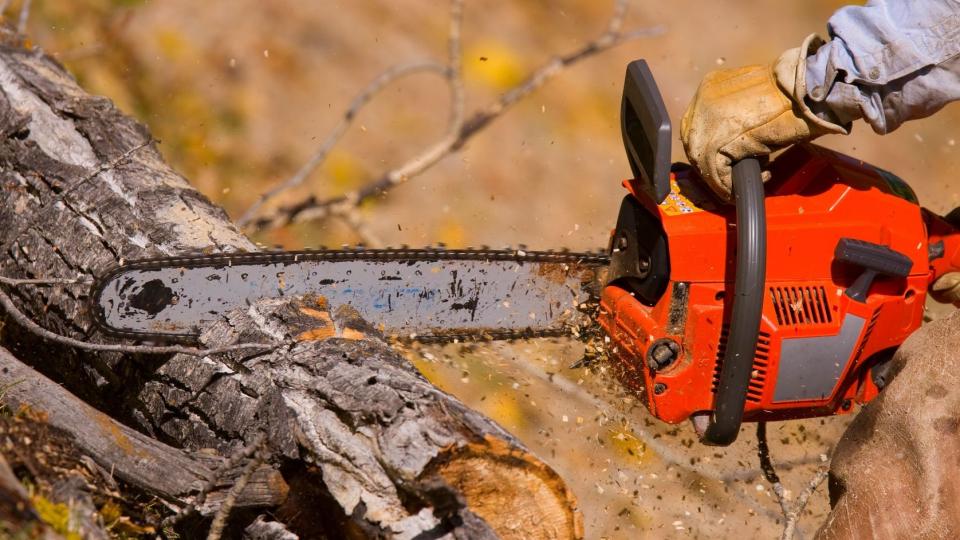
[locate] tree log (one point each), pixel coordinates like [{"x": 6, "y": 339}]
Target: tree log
[{"x": 367, "y": 445}]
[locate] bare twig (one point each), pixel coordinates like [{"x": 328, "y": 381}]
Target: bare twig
[
  {"x": 14, "y": 282},
  {"x": 313, "y": 209},
  {"x": 364, "y": 97},
  {"x": 818, "y": 478},
  {"x": 663, "y": 450},
  {"x": 791, "y": 509},
  {"x": 223, "y": 513},
  {"x": 24, "y": 16},
  {"x": 7, "y": 303},
  {"x": 215, "y": 476},
  {"x": 455, "y": 66},
  {"x": 453, "y": 74}
]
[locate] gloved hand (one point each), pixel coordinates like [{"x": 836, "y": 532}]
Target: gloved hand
[
  {"x": 946, "y": 289},
  {"x": 750, "y": 111}
]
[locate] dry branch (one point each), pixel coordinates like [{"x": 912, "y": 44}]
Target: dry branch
[
  {"x": 155, "y": 468},
  {"x": 366, "y": 444},
  {"x": 457, "y": 135},
  {"x": 378, "y": 84},
  {"x": 223, "y": 513},
  {"x": 791, "y": 508}
]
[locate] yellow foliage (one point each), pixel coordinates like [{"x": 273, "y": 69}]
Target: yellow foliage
[
  {"x": 494, "y": 64},
  {"x": 504, "y": 409},
  {"x": 452, "y": 233},
  {"x": 56, "y": 516},
  {"x": 171, "y": 43},
  {"x": 119, "y": 524},
  {"x": 343, "y": 169}
]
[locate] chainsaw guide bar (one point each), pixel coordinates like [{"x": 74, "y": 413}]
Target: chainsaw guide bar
[{"x": 409, "y": 294}]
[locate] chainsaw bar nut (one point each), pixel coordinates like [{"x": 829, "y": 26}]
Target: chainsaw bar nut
[{"x": 662, "y": 353}]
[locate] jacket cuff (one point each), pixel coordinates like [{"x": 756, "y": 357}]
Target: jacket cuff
[{"x": 790, "y": 71}]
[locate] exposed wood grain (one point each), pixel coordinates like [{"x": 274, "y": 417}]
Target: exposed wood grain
[{"x": 261, "y": 529}]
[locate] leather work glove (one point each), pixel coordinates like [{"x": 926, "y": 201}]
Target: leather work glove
[
  {"x": 946, "y": 288},
  {"x": 750, "y": 111}
]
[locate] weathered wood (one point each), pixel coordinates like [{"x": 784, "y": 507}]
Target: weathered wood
[
  {"x": 367, "y": 445},
  {"x": 261, "y": 529},
  {"x": 130, "y": 456},
  {"x": 83, "y": 519}
]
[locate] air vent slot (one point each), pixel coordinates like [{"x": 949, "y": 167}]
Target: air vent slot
[
  {"x": 866, "y": 334},
  {"x": 800, "y": 305},
  {"x": 761, "y": 362}
]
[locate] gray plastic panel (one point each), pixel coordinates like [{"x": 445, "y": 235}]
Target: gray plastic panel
[{"x": 810, "y": 368}]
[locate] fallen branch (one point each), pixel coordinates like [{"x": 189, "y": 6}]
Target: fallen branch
[
  {"x": 791, "y": 509},
  {"x": 459, "y": 132},
  {"x": 670, "y": 455},
  {"x": 158, "y": 469}
]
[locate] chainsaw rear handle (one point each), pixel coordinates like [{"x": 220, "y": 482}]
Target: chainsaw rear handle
[{"x": 737, "y": 366}]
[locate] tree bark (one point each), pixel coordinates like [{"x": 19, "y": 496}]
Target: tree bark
[
  {"x": 165, "y": 472},
  {"x": 368, "y": 447}
]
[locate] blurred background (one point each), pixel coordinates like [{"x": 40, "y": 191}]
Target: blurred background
[{"x": 241, "y": 92}]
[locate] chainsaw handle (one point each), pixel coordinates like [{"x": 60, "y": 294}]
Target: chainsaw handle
[{"x": 737, "y": 366}]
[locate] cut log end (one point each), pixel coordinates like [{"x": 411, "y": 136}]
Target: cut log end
[
  {"x": 495, "y": 475},
  {"x": 420, "y": 432}
]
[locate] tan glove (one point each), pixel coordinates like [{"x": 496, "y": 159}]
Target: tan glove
[
  {"x": 946, "y": 289},
  {"x": 750, "y": 111}
]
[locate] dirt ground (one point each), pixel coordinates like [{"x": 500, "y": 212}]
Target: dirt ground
[
  {"x": 240, "y": 92},
  {"x": 61, "y": 482}
]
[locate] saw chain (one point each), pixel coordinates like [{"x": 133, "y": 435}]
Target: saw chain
[{"x": 427, "y": 295}]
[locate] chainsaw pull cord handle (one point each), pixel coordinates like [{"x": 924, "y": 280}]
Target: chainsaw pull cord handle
[{"x": 735, "y": 372}]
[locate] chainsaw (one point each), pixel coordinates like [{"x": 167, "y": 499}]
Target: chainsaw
[{"x": 788, "y": 304}]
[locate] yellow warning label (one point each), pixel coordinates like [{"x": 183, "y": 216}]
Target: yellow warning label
[{"x": 686, "y": 197}]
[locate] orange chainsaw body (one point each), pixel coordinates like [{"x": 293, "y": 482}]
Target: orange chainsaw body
[{"x": 819, "y": 351}]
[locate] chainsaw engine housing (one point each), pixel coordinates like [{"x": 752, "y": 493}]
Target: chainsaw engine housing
[{"x": 847, "y": 270}]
